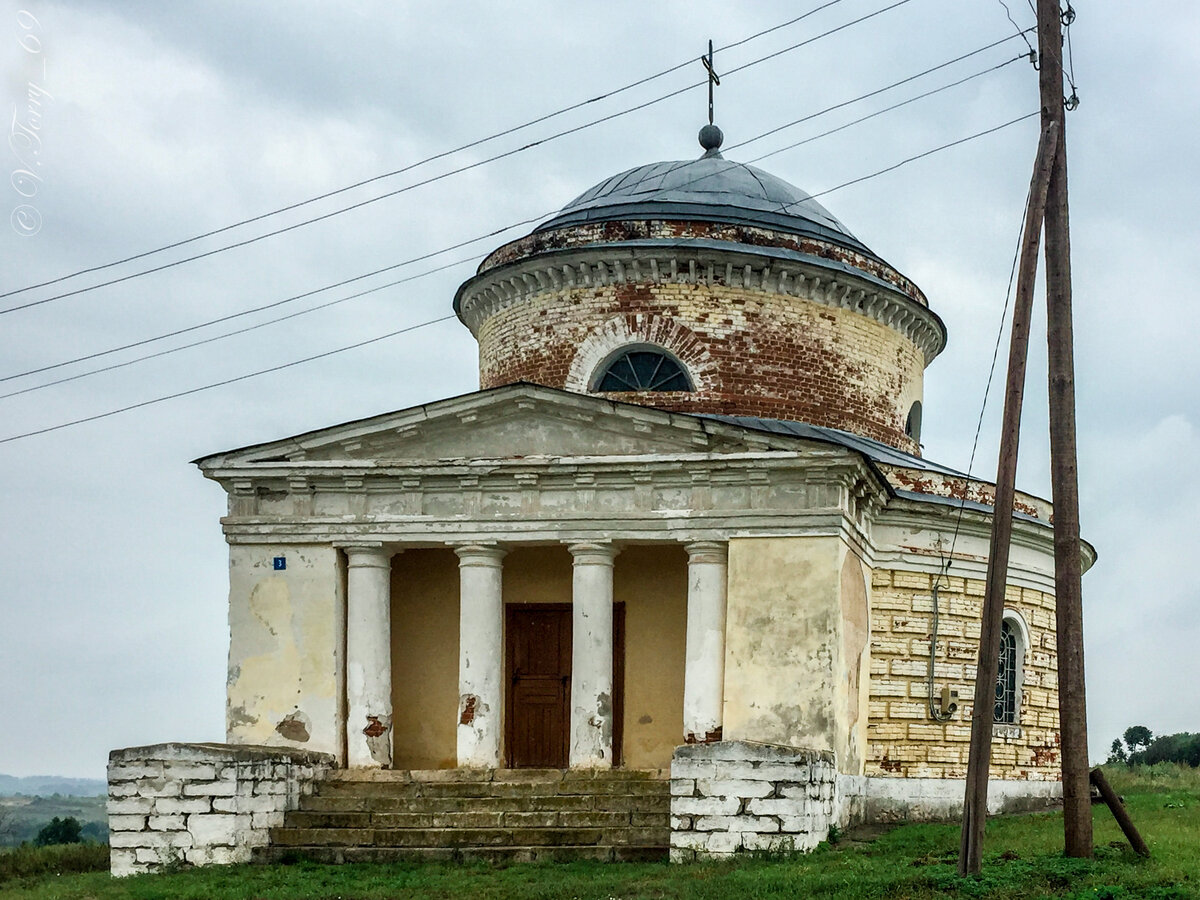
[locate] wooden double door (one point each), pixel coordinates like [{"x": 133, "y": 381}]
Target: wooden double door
[{"x": 538, "y": 664}]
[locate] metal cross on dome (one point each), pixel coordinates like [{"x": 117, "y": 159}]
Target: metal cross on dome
[{"x": 713, "y": 79}]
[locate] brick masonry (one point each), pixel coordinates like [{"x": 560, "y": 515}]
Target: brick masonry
[
  {"x": 201, "y": 804},
  {"x": 735, "y": 796},
  {"x": 751, "y": 352},
  {"x": 903, "y": 739}
]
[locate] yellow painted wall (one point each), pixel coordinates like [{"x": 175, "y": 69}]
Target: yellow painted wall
[
  {"x": 285, "y": 647},
  {"x": 424, "y": 659},
  {"x": 537, "y": 575},
  {"x": 782, "y": 642},
  {"x": 903, "y": 739},
  {"x": 652, "y": 582}
]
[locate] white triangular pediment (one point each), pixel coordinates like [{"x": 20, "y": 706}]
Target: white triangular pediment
[{"x": 520, "y": 421}]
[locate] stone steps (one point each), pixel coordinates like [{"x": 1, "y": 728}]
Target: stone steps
[{"x": 501, "y": 815}]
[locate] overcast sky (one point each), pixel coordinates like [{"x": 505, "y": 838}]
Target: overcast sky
[{"x": 154, "y": 122}]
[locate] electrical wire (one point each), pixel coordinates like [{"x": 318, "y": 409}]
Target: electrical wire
[
  {"x": 435, "y": 178},
  {"x": 1008, "y": 294},
  {"x": 277, "y": 303},
  {"x": 1008, "y": 12},
  {"x": 905, "y": 162},
  {"x": 228, "y": 334},
  {"x": 527, "y": 221},
  {"x": 886, "y": 88},
  {"x": 408, "y": 168},
  {"x": 328, "y": 353},
  {"x": 887, "y": 109},
  {"x": 217, "y": 384}
]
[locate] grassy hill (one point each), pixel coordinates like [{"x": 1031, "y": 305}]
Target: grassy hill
[{"x": 22, "y": 817}]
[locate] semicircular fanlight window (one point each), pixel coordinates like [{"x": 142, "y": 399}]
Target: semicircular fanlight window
[{"x": 644, "y": 370}]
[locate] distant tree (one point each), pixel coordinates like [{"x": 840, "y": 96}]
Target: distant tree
[
  {"x": 8, "y": 826},
  {"x": 1177, "y": 748},
  {"x": 59, "y": 831},
  {"x": 1138, "y": 737},
  {"x": 1117, "y": 754}
]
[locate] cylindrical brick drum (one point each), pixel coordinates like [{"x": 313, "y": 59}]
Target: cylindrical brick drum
[{"x": 708, "y": 286}]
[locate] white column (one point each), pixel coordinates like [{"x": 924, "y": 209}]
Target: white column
[
  {"x": 368, "y": 657},
  {"x": 592, "y": 656},
  {"x": 480, "y": 655},
  {"x": 704, "y": 671}
]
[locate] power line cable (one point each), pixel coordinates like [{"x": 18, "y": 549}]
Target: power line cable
[
  {"x": 882, "y": 90},
  {"x": 507, "y": 227},
  {"x": 234, "y": 333},
  {"x": 1022, "y": 33},
  {"x": 217, "y": 384},
  {"x": 905, "y": 162},
  {"x": 987, "y": 389},
  {"x": 275, "y": 303},
  {"x": 444, "y": 154},
  {"x": 887, "y": 109},
  {"x": 391, "y": 334}
]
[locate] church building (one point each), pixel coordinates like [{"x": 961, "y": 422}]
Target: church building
[{"x": 681, "y": 545}]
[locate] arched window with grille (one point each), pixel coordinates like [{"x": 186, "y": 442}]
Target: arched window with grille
[
  {"x": 642, "y": 369},
  {"x": 1008, "y": 675}
]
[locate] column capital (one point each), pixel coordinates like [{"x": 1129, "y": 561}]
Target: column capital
[
  {"x": 366, "y": 554},
  {"x": 593, "y": 553},
  {"x": 479, "y": 554},
  {"x": 707, "y": 551}
]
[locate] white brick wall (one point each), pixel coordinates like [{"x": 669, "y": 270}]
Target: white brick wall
[
  {"x": 201, "y": 804},
  {"x": 736, "y": 796}
]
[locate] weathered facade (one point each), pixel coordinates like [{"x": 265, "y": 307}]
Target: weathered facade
[{"x": 682, "y": 526}]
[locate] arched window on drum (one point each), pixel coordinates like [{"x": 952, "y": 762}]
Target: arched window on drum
[{"x": 642, "y": 369}]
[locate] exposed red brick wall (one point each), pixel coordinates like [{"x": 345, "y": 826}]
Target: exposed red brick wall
[{"x": 768, "y": 355}]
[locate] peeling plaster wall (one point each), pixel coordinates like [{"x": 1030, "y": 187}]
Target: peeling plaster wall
[
  {"x": 783, "y": 643},
  {"x": 652, "y": 582},
  {"x": 853, "y": 694},
  {"x": 285, "y": 651},
  {"x": 425, "y": 612}
]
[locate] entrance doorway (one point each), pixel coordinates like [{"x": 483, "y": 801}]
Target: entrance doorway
[{"x": 538, "y": 704}]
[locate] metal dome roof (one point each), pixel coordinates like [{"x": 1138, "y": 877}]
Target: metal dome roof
[{"x": 709, "y": 189}]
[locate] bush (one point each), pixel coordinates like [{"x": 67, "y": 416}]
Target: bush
[
  {"x": 27, "y": 860},
  {"x": 59, "y": 831}
]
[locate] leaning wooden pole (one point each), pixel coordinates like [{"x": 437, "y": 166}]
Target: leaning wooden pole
[
  {"x": 970, "y": 855},
  {"x": 1118, "y": 810},
  {"x": 1064, "y": 476}
]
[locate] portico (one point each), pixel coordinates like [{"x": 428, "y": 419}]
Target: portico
[
  {"x": 590, "y": 707},
  {"x": 416, "y": 560}
]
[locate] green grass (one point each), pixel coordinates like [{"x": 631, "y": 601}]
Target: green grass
[
  {"x": 28, "y": 862},
  {"x": 1023, "y": 859}
]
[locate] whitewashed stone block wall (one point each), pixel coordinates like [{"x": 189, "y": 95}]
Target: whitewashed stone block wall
[
  {"x": 735, "y": 796},
  {"x": 201, "y": 804}
]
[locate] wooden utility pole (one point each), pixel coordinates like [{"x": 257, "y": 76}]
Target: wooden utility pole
[
  {"x": 978, "y": 763},
  {"x": 1068, "y": 591}
]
